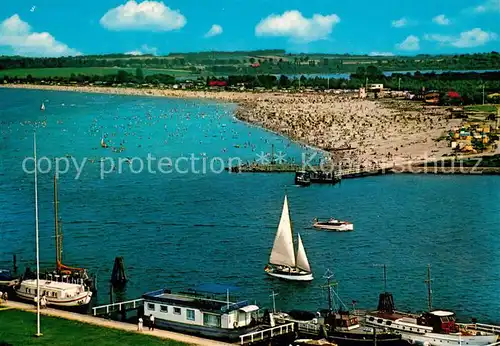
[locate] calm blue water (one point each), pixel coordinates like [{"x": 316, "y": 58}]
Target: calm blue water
[{"x": 176, "y": 230}]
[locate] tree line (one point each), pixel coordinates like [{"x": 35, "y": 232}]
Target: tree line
[{"x": 469, "y": 85}]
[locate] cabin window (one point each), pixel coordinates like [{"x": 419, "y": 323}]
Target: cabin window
[
  {"x": 190, "y": 314},
  {"x": 211, "y": 320},
  {"x": 371, "y": 318},
  {"x": 177, "y": 311},
  {"x": 380, "y": 320},
  {"x": 151, "y": 307},
  {"x": 163, "y": 308},
  {"x": 388, "y": 323}
]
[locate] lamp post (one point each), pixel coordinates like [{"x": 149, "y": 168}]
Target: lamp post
[{"x": 37, "y": 247}]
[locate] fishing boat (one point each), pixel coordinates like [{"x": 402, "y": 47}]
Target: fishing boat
[
  {"x": 333, "y": 225},
  {"x": 337, "y": 324},
  {"x": 200, "y": 311},
  {"x": 283, "y": 263},
  {"x": 62, "y": 270},
  {"x": 57, "y": 293},
  {"x": 432, "y": 328},
  {"x": 302, "y": 178},
  {"x": 42, "y": 106},
  {"x": 57, "y": 290}
]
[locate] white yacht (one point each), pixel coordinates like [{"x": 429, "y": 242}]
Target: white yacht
[
  {"x": 282, "y": 263},
  {"x": 333, "y": 225},
  {"x": 57, "y": 293}
]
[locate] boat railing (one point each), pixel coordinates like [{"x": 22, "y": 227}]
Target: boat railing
[
  {"x": 120, "y": 306},
  {"x": 308, "y": 327},
  {"x": 267, "y": 333},
  {"x": 482, "y": 327}
]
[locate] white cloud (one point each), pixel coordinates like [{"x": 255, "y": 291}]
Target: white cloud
[
  {"x": 399, "y": 23},
  {"x": 294, "y": 25},
  {"x": 381, "y": 54},
  {"x": 215, "y": 30},
  {"x": 467, "y": 39},
  {"x": 17, "y": 34},
  {"x": 441, "y": 20},
  {"x": 488, "y": 6},
  {"x": 147, "y": 15},
  {"x": 410, "y": 43},
  {"x": 145, "y": 49}
]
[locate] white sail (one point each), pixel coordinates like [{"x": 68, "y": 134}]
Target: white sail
[
  {"x": 282, "y": 253},
  {"x": 302, "y": 262}
]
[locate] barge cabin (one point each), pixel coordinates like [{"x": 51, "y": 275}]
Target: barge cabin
[{"x": 198, "y": 312}]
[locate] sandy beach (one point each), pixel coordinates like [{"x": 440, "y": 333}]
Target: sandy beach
[{"x": 379, "y": 133}]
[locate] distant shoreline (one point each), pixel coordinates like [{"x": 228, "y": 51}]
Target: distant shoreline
[{"x": 370, "y": 134}]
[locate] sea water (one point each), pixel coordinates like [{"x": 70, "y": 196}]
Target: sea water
[{"x": 176, "y": 230}]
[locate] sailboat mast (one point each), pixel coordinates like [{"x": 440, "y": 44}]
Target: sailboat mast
[
  {"x": 56, "y": 220},
  {"x": 429, "y": 288},
  {"x": 37, "y": 245}
]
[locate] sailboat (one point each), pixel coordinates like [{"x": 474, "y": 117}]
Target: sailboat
[
  {"x": 283, "y": 263},
  {"x": 42, "y": 107}
]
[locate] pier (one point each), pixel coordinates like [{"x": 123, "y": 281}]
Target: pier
[
  {"x": 316, "y": 170},
  {"x": 159, "y": 333}
]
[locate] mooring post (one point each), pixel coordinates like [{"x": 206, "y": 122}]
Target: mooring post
[
  {"x": 14, "y": 262},
  {"x": 118, "y": 276}
]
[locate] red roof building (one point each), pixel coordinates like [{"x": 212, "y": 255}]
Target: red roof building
[{"x": 219, "y": 83}]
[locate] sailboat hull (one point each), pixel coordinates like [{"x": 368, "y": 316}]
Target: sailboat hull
[{"x": 292, "y": 277}]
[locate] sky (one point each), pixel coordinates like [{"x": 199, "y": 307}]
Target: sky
[{"x": 384, "y": 27}]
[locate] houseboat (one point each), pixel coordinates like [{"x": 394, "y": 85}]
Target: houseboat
[
  {"x": 199, "y": 312},
  {"x": 57, "y": 293}
]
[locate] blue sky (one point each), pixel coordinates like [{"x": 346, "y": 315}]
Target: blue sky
[{"x": 68, "y": 27}]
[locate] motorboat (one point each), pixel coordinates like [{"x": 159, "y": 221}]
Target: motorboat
[{"x": 333, "y": 225}]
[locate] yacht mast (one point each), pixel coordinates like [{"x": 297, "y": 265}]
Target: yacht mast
[
  {"x": 56, "y": 220},
  {"x": 429, "y": 288}
]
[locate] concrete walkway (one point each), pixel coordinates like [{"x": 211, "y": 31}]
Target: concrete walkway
[{"x": 192, "y": 340}]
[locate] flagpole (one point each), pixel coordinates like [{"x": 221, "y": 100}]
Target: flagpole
[{"x": 37, "y": 247}]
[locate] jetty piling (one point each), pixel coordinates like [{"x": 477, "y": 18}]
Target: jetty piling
[
  {"x": 14, "y": 264},
  {"x": 118, "y": 276}
]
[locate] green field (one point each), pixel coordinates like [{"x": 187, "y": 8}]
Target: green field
[
  {"x": 482, "y": 108},
  {"x": 89, "y": 71},
  {"x": 17, "y": 328}
]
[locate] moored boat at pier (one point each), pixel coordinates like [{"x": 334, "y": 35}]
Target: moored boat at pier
[
  {"x": 199, "y": 312},
  {"x": 432, "y": 328},
  {"x": 302, "y": 178},
  {"x": 56, "y": 293}
]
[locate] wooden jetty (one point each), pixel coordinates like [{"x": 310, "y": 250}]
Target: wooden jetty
[{"x": 317, "y": 172}]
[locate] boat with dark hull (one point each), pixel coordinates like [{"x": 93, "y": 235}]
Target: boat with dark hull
[
  {"x": 432, "y": 328},
  {"x": 339, "y": 325},
  {"x": 199, "y": 312},
  {"x": 302, "y": 178}
]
